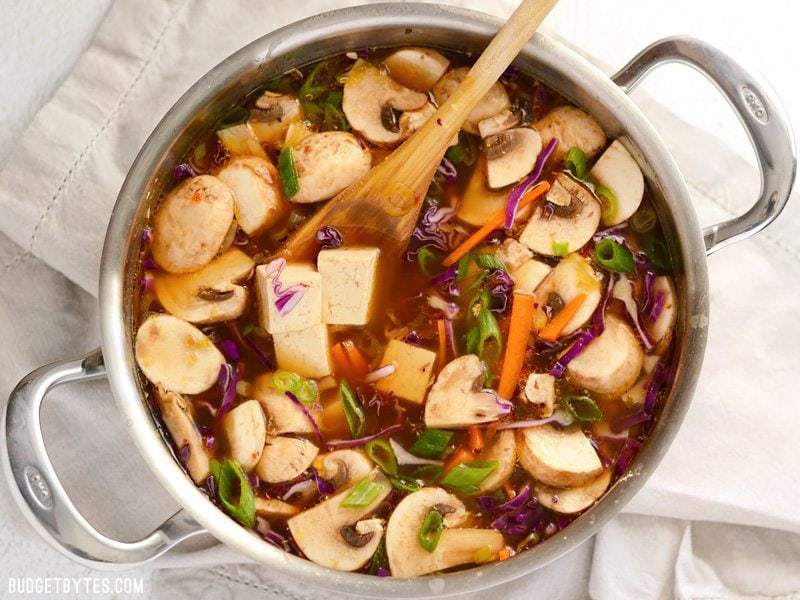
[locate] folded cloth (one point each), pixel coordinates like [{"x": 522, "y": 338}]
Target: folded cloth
[{"x": 734, "y": 461}]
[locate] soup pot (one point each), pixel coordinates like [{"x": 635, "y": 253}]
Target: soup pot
[{"x": 29, "y": 469}]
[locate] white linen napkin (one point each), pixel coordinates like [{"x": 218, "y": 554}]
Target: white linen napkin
[{"x": 734, "y": 461}]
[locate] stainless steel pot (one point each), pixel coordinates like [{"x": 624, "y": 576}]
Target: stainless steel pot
[{"x": 32, "y": 477}]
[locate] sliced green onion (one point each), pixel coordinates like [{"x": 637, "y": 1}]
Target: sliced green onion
[
  {"x": 643, "y": 220},
  {"x": 381, "y": 453},
  {"x": 462, "y": 267},
  {"x": 379, "y": 560},
  {"x": 288, "y": 172},
  {"x": 465, "y": 152},
  {"x": 466, "y": 477},
  {"x": 430, "y": 262},
  {"x": 613, "y": 256},
  {"x": 431, "y": 530},
  {"x": 489, "y": 331},
  {"x": 200, "y": 152},
  {"x": 304, "y": 389},
  {"x": 575, "y": 161},
  {"x": 657, "y": 252},
  {"x": 582, "y": 408},
  {"x": 432, "y": 443},
  {"x": 404, "y": 483},
  {"x": 608, "y": 202},
  {"x": 362, "y": 494},
  {"x": 232, "y": 482},
  {"x": 353, "y": 412},
  {"x": 560, "y": 249},
  {"x": 489, "y": 262}
]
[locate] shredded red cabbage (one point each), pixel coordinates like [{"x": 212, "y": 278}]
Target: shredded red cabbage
[
  {"x": 412, "y": 337},
  {"x": 307, "y": 413},
  {"x": 629, "y": 421},
  {"x": 286, "y": 298},
  {"x": 230, "y": 350},
  {"x": 147, "y": 281},
  {"x": 363, "y": 440},
  {"x": 184, "y": 171},
  {"x": 429, "y": 234},
  {"x": 185, "y": 452},
  {"x": 519, "y": 516},
  {"x": 324, "y": 487},
  {"x": 148, "y": 264},
  {"x": 228, "y": 378},
  {"x": 451, "y": 338},
  {"x": 382, "y": 572},
  {"x": 501, "y": 287},
  {"x": 625, "y": 456},
  {"x": 329, "y": 237},
  {"x": 518, "y": 191},
  {"x": 611, "y": 232},
  {"x": 658, "y": 306},
  {"x": 445, "y": 276},
  {"x": 147, "y": 235},
  {"x": 447, "y": 169}
]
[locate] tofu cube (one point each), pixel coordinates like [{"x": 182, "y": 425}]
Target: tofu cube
[
  {"x": 348, "y": 283},
  {"x": 529, "y": 275},
  {"x": 308, "y": 311},
  {"x": 304, "y": 351},
  {"x": 413, "y": 368}
]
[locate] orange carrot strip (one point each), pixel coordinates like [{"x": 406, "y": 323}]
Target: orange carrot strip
[
  {"x": 518, "y": 331},
  {"x": 555, "y": 326},
  {"x": 341, "y": 363},
  {"x": 357, "y": 360},
  {"x": 475, "y": 438},
  {"x": 461, "y": 455},
  {"x": 442, "y": 356},
  {"x": 494, "y": 222},
  {"x": 504, "y": 554},
  {"x": 509, "y": 490}
]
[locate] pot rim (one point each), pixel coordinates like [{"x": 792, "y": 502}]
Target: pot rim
[{"x": 122, "y": 242}]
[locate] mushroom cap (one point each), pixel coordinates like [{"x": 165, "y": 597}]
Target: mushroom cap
[
  {"x": 572, "y": 276},
  {"x": 327, "y": 163},
  {"x": 502, "y": 449},
  {"x": 617, "y": 170},
  {"x": 368, "y": 93},
  {"x": 176, "y": 355},
  {"x": 246, "y": 431},
  {"x": 416, "y": 68},
  {"x": 611, "y": 363},
  {"x": 505, "y": 119},
  {"x": 273, "y": 115},
  {"x": 571, "y": 127},
  {"x": 666, "y": 319},
  {"x": 285, "y": 458},
  {"x": 177, "y": 416},
  {"x": 493, "y": 102},
  {"x": 479, "y": 202},
  {"x": 275, "y": 510},
  {"x": 510, "y": 155},
  {"x": 407, "y": 558},
  {"x": 283, "y": 415},
  {"x": 191, "y": 224},
  {"x": 345, "y": 467},
  {"x": 257, "y": 193},
  {"x": 210, "y": 294},
  {"x": 558, "y": 457},
  {"x": 570, "y": 215},
  {"x": 568, "y": 501},
  {"x": 456, "y": 398}
]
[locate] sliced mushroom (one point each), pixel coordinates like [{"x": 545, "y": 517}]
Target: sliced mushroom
[
  {"x": 416, "y": 68},
  {"x": 285, "y": 458},
  {"x": 370, "y": 99},
  {"x": 327, "y": 163},
  {"x": 345, "y": 467},
  {"x": 571, "y": 127},
  {"x": 502, "y": 449},
  {"x": 275, "y": 510},
  {"x": 568, "y": 501},
  {"x": 528, "y": 276},
  {"x": 610, "y": 364},
  {"x": 456, "y": 399},
  {"x": 273, "y": 115},
  {"x": 283, "y": 415},
  {"x": 616, "y": 170},
  {"x": 246, "y": 431},
  {"x": 638, "y": 393},
  {"x": 257, "y": 193},
  {"x": 176, "y": 355},
  {"x": 493, "y": 102},
  {"x": 177, "y": 416},
  {"x": 510, "y": 155},
  {"x": 505, "y": 119},
  {"x": 457, "y": 546},
  {"x": 318, "y": 530},
  {"x": 411, "y": 120},
  {"x": 558, "y": 457},
  {"x": 565, "y": 221},
  {"x": 666, "y": 319},
  {"x": 572, "y": 276},
  {"x": 513, "y": 254},
  {"x": 241, "y": 140},
  {"x": 478, "y": 202},
  {"x": 191, "y": 224},
  {"x": 209, "y": 295},
  {"x": 540, "y": 393}
]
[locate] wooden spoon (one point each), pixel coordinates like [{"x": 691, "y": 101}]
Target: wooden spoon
[{"x": 382, "y": 208}]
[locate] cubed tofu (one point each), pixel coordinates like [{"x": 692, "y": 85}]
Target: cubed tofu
[
  {"x": 413, "y": 367},
  {"x": 305, "y": 351},
  {"x": 529, "y": 275},
  {"x": 308, "y": 311},
  {"x": 348, "y": 282},
  {"x": 513, "y": 254}
]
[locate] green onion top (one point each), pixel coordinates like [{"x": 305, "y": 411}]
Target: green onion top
[
  {"x": 232, "y": 481},
  {"x": 488, "y": 261},
  {"x": 381, "y": 453},
  {"x": 431, "y": 530},
  {"x": 362, "y": 494},
  {"x": 353, "y": 412},
  {"x": 288, "y": 172},
  {"x": 466, "y": 477},
  {"x": 430, "y": 262},
  {"x": 582, "y": 408},
  {"x": 432, "y": 443},
  {"x": 643, "y": 220},
  {"x": 613, "y": 256},
  {"x": 560, "y": 249},
  {"x": 608, "y": 202},
  {"x": 575, "y": 162},
  {"x": 304, "y": 389},
  {"x": 405, "y": 483}
]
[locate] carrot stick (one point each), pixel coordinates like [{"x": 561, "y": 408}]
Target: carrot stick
[
  {"x": 461, "y": 455},
  {"x": 357, "y": 360},
  {"x": 442, "y": 356},
  {"x": 494, "y": 222},
  {"x": 475, "y": 439},
  {"x": 340, "y": 361},
  {"x": 518, "y": 331},
  {"x": 555, "y": 326}
]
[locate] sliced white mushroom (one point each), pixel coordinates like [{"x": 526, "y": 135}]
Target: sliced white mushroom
[
  {"x": 345, "y": 467},
  {"x": 339, "y": 537},
  {"x": 505, "y": 119},
  {"x": 457, "y": 399},
  {"x": 285, "y": 458},
  {"x": 565, "y": 221},
  {"x": 283, "y": 415},
  {"x": 529, "y": 275},
  {"x": 257, "y": 193},
  {"x": 177, "y": 416},
  {"x": 370, "y": 100},
  {"x": 411, "y": 120},
  {"x": 638, "y": 393},
  {"x": 540, "y": 393},
  {"x": 457, "y": 546},
  {"x": 478, "y": 201},
  {"x": 275, "y": 510},
  {"x": 669, "y": 311},
  {"x": 568, "y": 501},
  {"x": 241, "y": 140},
  {"x": 416, "y": 68},
  {"x": 616, "y": 170},
  {"x": 327, "y": 163},
  {"x": 246, "y": 432},
  {"x": 510, "y": 155},
  {"x": 493, "y": 102},
  {"x": 571, "y": 127},
  {"x": 572, "y": 276},
  {"x": 191, "y": 223},
  {"x": 610, "y": 364},
  {"x": 558, "y": 457},
  {"x": 176, "y": 355},
  {"x": 272, "y": 116},
  {"x": 209, "y": 295},
  {"x": 503, "y": 449}
]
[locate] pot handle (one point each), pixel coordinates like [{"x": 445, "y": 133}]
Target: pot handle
[
  {"x": 40, "y": 494},
  {"x": 761, "y": 115}
]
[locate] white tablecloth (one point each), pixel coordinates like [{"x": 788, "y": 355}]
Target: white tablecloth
[{"x": 717, "y": 520}]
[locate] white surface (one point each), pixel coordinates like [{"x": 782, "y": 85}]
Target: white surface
[{"x": 727, "y": 465}]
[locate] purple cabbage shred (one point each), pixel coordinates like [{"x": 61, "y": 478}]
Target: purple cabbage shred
[
  {"x": 183, "y": 171},
  {"x": 329, "y": 237}
]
